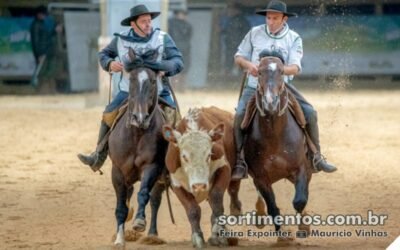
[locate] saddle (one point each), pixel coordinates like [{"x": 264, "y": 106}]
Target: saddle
[
  {"x": 170, "y": 114},
  {"x": 295, "y": 109}
]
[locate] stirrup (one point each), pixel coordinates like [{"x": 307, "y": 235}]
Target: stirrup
[
  {"x": 320, "y": 159},
  {"x": 240, "y": 165},
  {"x": 95, "y": 166}
]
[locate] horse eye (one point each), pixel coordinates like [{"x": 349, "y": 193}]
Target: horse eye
[{"x": 185, "y": 158}]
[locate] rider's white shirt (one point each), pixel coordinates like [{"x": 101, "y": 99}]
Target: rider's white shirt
[
  {"x": 287, "y": 41},
  {"x": 156, "y": 42}
]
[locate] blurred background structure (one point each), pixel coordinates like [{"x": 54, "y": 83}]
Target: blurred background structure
[{"x": 354, "y": 39}]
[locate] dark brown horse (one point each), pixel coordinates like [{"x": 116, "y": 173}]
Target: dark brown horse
[
  {"x": 275, "y": 147},
  {"x": 137, "y": 150}
]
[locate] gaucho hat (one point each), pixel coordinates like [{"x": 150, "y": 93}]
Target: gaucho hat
[
  {"x": 275, "y": 6},
  {"x": 136, "y": 11}
]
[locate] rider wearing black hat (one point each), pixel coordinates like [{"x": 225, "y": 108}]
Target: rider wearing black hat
[
  {"x": 276, "y": 36},
  {"x": 143, "y": 39}
]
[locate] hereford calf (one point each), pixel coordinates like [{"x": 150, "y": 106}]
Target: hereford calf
[{"x": 198, "y": 159}]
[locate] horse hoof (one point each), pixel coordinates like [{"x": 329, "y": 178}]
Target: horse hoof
[
  {"x": 235, "y": 210},
  {"x": 139, "y": 225},
  {"x": 118, "y": 246},
  {"x": 306, "y": 228},
  {"x": 198, "y": 240},
  {"x": 285, "y": 235},
  {"x": 218, "y": 241},
  {"x": 152, "y": 240},
  {"x": 288, "y": 238},
  {"x": 233, "y": 241},
  {"x": 132, "y": 235}
]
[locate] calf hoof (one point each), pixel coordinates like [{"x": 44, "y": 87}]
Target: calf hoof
[
  {"x": 218, "y": 241},
  {"x": 139, "y": 225},
  {"x": 198, "y": 240}
]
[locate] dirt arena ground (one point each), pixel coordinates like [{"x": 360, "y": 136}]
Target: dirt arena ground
[{"x": 48, "y": 200}]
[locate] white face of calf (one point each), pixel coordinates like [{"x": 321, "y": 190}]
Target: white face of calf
[
  {"x": 195, "y": 156},
  {"x": 195, "y": 151}
]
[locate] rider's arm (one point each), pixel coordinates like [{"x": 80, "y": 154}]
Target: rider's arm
[
  {"x": 244, "y": 54},
  {"x": 108, "y": 54},
  {"x": 172, "y": 63},
  {"x": 291, "y": 69},
  {"x": 293, "y": 66},
  {"x": 246, "y": 65}
]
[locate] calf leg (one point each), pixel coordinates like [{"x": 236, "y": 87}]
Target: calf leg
[
  {"x": 193, "y": 212},
  {"x": 150, "y": 174}
]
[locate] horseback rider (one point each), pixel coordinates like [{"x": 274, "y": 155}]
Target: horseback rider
[
  {"x": 144, "y": 40},
  {"x": 275, "y": 35}
]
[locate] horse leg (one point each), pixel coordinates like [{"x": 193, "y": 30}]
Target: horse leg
[
  {"x": 268, "y": 194},
  {"x": 121, "y": 210},
  {"x": 233, "y": 191},
  {"x": 260, "y": 209},
  {"x": 155, "y": 202},
  {"x": 193, "y": 212},
  {"x": 301, "y": 195},
  {"x": 150, "y": 175}
]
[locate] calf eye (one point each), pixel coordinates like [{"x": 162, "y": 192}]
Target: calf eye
[{"x": 184, "y": 157}]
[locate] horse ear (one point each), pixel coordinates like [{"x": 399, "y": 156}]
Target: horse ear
[
  {"x": 170, "y": 134},
  {"x": 217, "y": 132},
  {"x": 131, "y": 54}
]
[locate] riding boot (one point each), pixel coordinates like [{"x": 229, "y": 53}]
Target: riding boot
[
  {"x": 239, "y": 171},
  {"x": 96, "y": 159},
  {"x": 319, "y": 160}
]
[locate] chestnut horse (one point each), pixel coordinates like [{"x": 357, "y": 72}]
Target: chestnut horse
[
  {"x": 137, "y": 149},
  {"x": 275, "y": 147}
]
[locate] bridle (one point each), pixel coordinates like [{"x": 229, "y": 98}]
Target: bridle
[
  {"x": 148, "y": 119},
  {"x": 282, "y": 109}
]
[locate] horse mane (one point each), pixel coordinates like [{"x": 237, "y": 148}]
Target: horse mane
[{"x": 273, "y": 53}]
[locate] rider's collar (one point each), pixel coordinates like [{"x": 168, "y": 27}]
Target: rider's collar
[{"x": 282, "y": 32}]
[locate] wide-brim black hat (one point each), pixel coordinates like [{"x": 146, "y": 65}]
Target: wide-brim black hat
[
  {"x": 276, "y": 6},
  {"x": 136, "y": 11}
]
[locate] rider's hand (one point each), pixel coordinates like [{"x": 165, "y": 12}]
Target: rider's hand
[
  {"x": 252, "y": 69},
  {"x": 116, "y": 66}
]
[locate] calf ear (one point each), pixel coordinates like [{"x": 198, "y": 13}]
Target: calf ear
[
  {"x": 217, "y": 132},
  {"x": 170, "y": 134}
]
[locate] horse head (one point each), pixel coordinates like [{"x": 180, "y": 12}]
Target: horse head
[
  {"x": 270, "y": 84},
  {"x": 143, "y": 97}
]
